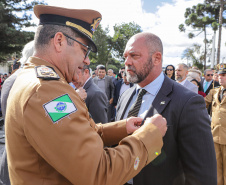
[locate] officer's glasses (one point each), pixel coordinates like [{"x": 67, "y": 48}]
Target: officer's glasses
[{"x": 87, "y": 52}]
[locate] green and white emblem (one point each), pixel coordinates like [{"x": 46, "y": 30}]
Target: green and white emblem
[{"x": 60, "y": 107}]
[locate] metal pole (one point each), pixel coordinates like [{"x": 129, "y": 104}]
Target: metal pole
[
  {"x": 213, "y": 51},
  {"x": 220, "y": 28}
]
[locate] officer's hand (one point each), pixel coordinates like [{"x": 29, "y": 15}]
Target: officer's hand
[
  {"x": 159, "y": 122},
  {"x": 82, "y": 93},
  {"x": 132, "y": 124}
]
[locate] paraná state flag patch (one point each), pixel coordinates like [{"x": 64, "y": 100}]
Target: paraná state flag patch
[{"x": 60, "y": 107}]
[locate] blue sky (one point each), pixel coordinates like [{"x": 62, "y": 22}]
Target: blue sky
[{"x": 151, "y": 5}]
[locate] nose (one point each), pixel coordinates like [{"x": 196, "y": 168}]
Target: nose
[
  {"x": 87, "y": 61},
  {"x": 128, "y": 61}
]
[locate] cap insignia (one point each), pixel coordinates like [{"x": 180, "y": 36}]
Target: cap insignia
[{"x": 95, "y": 24}]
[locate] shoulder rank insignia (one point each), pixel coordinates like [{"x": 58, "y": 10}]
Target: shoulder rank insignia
[{"x": 46, "y": 73}]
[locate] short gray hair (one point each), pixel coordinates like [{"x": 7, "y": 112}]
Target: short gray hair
[
  {"x": 183, "y": 65},
  {"x": 207, "y": 70},
  {"x": 87, "y": 67},
  {"x": 153, "y": 43},
  {"x": 111, "y": 70},
  {"x": 27, "y": 52},
  {"x": 46, "y": 32}
]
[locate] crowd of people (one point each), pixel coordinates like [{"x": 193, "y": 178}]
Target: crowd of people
[{"x": 66, "y": 124}]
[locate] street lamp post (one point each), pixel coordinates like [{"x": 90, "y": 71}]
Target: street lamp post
[{"x": 222, "y": 3}]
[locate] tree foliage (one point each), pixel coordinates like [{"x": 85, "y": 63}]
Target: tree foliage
[
  {"x": 13, "y": 18},
  {"x": 196, "y": 54},
  {"x": 102, "y": 40},
  {"x": 200, "y": 17},
  {"x": 123, "y": 32},
  {"x": 110, "y": 49}
]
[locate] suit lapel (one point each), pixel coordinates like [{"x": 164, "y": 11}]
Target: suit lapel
[
  {"x": 161, "y": 100},
  {"x": 88, "y": 83},
  {"x": 106, "y": 81},
  {"x": 126, "y": 100}
]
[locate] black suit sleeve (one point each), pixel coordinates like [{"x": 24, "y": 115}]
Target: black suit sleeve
[
  {"x": 195, "y": 144},
  {"x": 116, "y": 93},
  {"x": 112, "y": 88}
]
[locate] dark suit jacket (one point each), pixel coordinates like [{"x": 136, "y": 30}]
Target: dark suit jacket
[
  {"x": 117, "y": 91},
  {"x": 96, "y": 102},
  {"x": 109, "y": 86},
  {"x": 4, "y": 173},
  {"x": 216, "y": 84},
  {"x": 188, "y": 155}
]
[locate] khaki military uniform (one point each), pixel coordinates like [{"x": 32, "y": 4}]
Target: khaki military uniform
[
  {"x": 51, "y": 139},
  {"x": 218, "y": 126}
]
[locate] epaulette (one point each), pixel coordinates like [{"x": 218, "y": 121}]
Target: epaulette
[{"x": 46, "y": 73}]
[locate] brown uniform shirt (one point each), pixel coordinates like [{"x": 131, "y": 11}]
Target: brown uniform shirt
[
  {"x": 51, "y": 139},
  {"x": 218, "y": 123}
]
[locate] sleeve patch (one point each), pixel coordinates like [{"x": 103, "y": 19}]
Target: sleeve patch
[{"x": 60, "y": 107}]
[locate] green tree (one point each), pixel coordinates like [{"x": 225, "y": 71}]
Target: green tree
[
  {"x": 196, "y": 54},
  {"x": 102, "y": 40},
  {"x": 199, "y": 18},
  {"x": 123, "y": 32},
  {"x": 110, "y": 49},
  {"x": 14, "y": 18}
]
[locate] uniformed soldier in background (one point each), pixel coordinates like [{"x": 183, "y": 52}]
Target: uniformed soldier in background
[
  {"x": 50, "y": 137},
  {"x": 217, "y": 97}
]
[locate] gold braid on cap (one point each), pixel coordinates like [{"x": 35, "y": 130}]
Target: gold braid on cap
[{"x": 80, "y": 28}]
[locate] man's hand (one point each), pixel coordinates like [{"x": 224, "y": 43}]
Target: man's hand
[
  {"x": 159, "y": 122},
  {"x": 111, "y": 101},
  {"x": 132, "y": 124},
  {"x": 82, "y": 93}
]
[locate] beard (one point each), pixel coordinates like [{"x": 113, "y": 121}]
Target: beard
[
  {"x": 179, "y": 78},
  {"x": 139, "y": 76}
]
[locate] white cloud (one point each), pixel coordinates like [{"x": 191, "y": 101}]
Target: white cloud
[{"x": 164, "y": 22}]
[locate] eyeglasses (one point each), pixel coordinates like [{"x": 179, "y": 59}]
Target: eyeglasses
[
  {"x": 88, "y": 47},
  {"x": 209, "y": 75},
  {"x": 169, "y": 69}
]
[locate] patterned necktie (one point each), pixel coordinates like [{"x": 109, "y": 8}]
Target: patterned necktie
[
  {"x": 206, "y": 86},
  {"x": 222, "y": 94},
  {"x": 134, "y": 110}
]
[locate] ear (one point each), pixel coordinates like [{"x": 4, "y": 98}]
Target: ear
[
  {"x": 59, "y": 41},
  {"x": 157, "y": 58},
  {"x": 86, "y": 71}
]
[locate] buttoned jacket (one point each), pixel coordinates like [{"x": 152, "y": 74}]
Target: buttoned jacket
[{"x": 218, "y": 124}]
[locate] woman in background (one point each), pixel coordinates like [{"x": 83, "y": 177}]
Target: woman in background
[
  {"x": 200, "y": 89},
  {"x": 170, "y": 71}
]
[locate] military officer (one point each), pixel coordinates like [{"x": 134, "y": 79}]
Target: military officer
[
  {"x": 217, "y": 97},
  {"x": 50, "y": 137}
]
